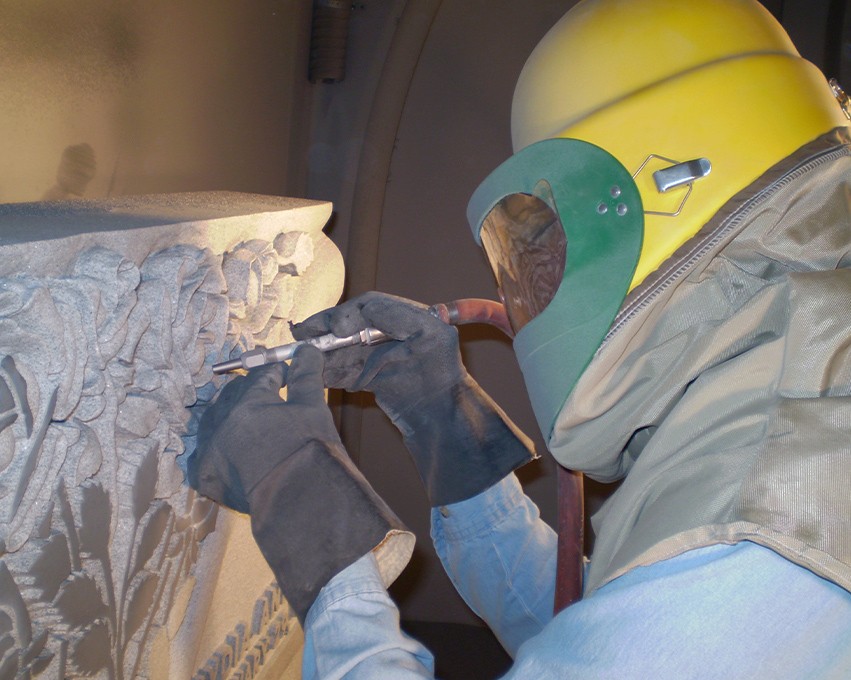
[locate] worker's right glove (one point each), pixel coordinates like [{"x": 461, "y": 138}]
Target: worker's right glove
[{"x": 461, "y": 441}]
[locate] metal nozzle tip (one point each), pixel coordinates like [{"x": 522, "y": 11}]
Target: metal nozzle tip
[{"x": 227, "y": 366}]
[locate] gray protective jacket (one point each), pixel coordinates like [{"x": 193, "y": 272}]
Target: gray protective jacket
[{"x": 723, "y": 391}]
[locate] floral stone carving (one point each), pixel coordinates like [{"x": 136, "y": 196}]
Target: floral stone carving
[{"x": 111, "y": 316}]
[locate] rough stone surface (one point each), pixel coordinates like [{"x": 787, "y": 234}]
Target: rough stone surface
[{"x": 111, "y": 316}]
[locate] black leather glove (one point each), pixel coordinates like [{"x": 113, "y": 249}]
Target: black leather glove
[
  {"x": 461, "y": 441},
  {"x": 312, "y": 512}
]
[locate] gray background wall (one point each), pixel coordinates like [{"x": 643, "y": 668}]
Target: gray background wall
[
  {"x": 212, "y": 94},
  {"x": 171, "y": 96}
]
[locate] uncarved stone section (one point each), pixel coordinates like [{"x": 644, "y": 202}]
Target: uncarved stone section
[{"x": 111, "y": 316}]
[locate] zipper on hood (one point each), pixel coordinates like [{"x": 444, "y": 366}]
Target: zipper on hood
[{"x": 705, "y": 242}]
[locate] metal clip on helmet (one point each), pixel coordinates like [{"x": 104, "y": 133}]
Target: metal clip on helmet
[{"x": 633, "y": 121}]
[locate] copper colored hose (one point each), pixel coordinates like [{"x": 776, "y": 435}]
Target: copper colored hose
[
  {"x": 473, "y": 310},
  {"x": 571, "y": 538},
  {"x": 571, "y": 493}
]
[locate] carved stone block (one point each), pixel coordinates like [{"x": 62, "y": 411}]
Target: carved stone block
[{"x": 111, "y": 316}]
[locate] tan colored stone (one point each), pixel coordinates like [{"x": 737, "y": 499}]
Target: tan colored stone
[{"x": 111, "y": 316}]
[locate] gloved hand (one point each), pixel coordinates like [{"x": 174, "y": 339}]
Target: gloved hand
[
  {"x": 312, "y": 512},
  {"x": 460, "y": 440}
]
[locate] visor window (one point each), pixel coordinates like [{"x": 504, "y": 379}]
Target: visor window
[{"x": 527, "y": 248}]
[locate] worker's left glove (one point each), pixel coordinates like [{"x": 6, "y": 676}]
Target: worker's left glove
[
  {"x": 312, "y": 512},
  {"x": 460, "y": 440}
]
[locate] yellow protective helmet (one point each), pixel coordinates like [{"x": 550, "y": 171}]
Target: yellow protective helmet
[
  {"x": 634, "y": 122},
  {"x": 668, "y": 80}
]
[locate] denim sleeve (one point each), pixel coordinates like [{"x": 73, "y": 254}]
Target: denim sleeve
[
  {"x": 504, "y": 565},
  {"x": 720, "y": 612},
  {"x": 501, "y": 557},
  {"x": 352, "y": 631},
  {"x": 717, "y": 613}
]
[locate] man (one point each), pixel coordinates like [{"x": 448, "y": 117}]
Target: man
[{"x": 671, "y": 241}]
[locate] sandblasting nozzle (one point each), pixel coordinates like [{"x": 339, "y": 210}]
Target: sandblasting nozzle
[{"x": 260, "y": 356}]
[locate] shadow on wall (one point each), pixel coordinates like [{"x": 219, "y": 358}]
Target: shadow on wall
[{"x": 77, "y": 167}]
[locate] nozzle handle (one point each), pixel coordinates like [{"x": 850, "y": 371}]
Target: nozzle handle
[{"x": 260, "y": 356}]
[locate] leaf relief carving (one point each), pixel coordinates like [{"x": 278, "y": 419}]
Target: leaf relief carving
[
  {"x": 52, "y": 566},
  {"x": 80, "y": 602},
  {"x": 90, "y": 652},
  {"x": 142, "y": 599},
  {"x": 97, "y": 367}
]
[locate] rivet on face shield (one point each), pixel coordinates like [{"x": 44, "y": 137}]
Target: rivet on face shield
[
  {"x": 622, "y": 209},
  {"x": 602, "y": 208},
  {"x": 615, "y": 191}
]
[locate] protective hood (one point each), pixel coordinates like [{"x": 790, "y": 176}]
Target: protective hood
[{"x": 724, "y": 386}]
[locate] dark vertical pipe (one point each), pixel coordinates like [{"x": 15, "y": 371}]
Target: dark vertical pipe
[{"x": 329, "y": 35}]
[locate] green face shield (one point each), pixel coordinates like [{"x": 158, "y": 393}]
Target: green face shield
[{"x": 561, "y": 223}]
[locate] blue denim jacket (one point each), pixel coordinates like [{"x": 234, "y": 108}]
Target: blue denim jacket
[{"x": 726, "y": 611}]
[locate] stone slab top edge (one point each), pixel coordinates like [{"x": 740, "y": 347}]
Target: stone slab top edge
[
  {"x": 45, "y": 236},
  {"x": 44, "y": 220}
]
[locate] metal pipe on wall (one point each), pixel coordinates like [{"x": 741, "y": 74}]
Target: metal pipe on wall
[{"x": 328, "y": 37}]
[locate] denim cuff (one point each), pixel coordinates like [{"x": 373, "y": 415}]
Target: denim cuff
[
  {"x": 477, "y": 516},
  {"x": 359, "y": 578}
]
